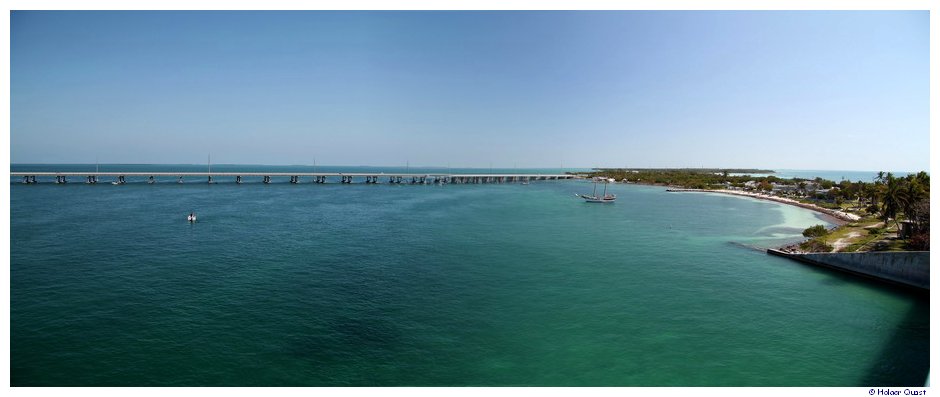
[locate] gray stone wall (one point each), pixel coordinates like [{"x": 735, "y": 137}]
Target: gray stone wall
[{"x": 909, "y": 268}]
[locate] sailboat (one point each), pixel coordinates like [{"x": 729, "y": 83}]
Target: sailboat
[
  {"x": 593, "y": 198},
  {"x": 209, "y": 172}
]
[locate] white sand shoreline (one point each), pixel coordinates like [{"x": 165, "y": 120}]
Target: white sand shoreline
[{"x": 843, "y": 216}]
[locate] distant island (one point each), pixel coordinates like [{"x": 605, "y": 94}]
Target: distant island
[{"x": 692, "y": 170}]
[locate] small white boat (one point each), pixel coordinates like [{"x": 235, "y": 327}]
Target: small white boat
[{"x": 191, "y": 218}]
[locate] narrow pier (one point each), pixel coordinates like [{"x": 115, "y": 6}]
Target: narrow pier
[{"x": 119, "y": 178}]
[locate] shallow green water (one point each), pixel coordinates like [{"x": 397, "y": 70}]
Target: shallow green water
[{"x": 505, "y": 284}]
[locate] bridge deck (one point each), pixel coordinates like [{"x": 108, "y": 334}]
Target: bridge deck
[{"x": 308, "y": 174}]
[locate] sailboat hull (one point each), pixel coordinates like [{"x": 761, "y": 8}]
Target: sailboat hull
[
  {"x": 591, "y": 200},
  {"x": 595, "y": 199}
]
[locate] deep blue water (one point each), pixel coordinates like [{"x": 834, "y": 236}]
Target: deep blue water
[{"x": 496, "y": 284}]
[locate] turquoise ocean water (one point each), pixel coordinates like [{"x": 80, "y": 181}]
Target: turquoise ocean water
[{"x": 388, "y": 285}]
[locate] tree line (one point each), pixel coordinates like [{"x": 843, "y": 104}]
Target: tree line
[{"x": 908, "y": 196}]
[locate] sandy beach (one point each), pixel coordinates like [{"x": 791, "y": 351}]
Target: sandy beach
[{"x": 843, "y": 216}]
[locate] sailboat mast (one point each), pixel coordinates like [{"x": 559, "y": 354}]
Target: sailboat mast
[
  {"x": 595, "y": 189},
  {"x": 605, "y": 189}
]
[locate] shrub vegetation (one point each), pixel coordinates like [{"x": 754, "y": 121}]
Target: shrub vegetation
[
  {"x": 815, "y": 245},
  {"x": 815, "y": 231}
]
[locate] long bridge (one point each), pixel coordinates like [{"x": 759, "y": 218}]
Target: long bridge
[{"x": 293, "y": 177}]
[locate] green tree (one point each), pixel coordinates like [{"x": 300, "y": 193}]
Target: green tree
[
  {"x": 872, "y": 193},
  {"x": 917, "y": 189},
  {"x": 815, "y": 231},
  {"x": 765, "y": 186},
  {"x": 893, "y": 199},
  {"x": 858, "y": 190},
  {"x": 920, "y": 216}
]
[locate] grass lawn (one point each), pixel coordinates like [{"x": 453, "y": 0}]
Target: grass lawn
[{"x": 862, "y": 235}]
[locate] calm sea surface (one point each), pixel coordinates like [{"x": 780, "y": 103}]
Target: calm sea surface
[{"x": 499, "y": 284}]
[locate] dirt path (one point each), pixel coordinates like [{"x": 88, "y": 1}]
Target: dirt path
[{"x": 841, "y": 243}]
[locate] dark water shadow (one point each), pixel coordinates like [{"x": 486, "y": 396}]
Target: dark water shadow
[{"x": 902, "y": 361}]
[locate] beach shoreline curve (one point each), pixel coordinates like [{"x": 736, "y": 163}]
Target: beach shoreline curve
[{"x": 840, "y": 215}]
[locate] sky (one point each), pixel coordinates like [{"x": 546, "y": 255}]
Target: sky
[{"x": 842, "y": 90}]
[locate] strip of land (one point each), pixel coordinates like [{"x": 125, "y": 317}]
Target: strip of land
[{"x": 888, "y": 214}]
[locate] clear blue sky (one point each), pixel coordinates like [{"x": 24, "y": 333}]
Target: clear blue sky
[{"x": 803, "y": 90}]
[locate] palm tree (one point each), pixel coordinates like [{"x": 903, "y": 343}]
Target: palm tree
[
  {"x": 872, "y": 192},
  {"x": 858, "y": 189},
  {"x": 894, "y": 199},
  {"x": 877, "y": 188}
]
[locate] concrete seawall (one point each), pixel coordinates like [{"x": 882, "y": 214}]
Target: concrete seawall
[{"x": 911, "y": 269}]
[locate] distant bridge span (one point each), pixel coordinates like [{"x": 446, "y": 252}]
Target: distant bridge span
[{"x": 294, "y": 177}]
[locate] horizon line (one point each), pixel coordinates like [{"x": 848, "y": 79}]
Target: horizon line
[{"x": 775, "y": 170}]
